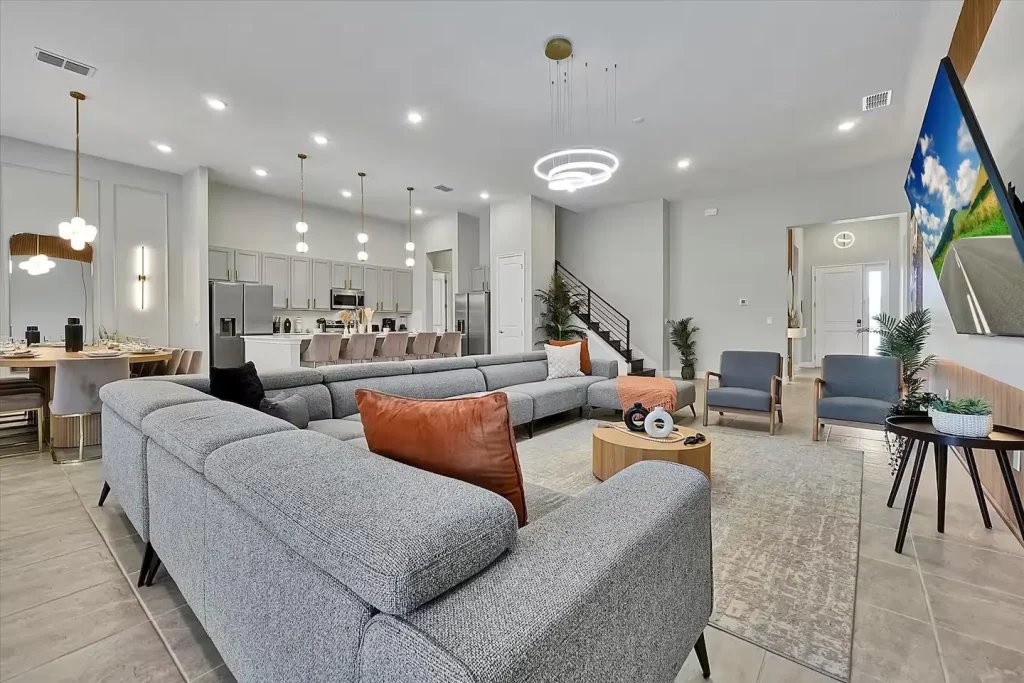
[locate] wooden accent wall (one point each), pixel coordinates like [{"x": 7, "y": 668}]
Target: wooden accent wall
[
  {"x": 1008, "y": 409},
  {"x": 971, "y": 28}
]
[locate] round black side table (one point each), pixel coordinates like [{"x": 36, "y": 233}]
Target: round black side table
[{"x": 919, "y": 432}]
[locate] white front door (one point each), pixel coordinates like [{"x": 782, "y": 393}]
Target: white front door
[
  {"x": 511, "y": 304},
  {"x": 838, "y": 311},
  {"x": 438, "y": 307}
]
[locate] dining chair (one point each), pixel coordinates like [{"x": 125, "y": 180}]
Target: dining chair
[
  {"x": 171, "y": 365},
  {"x": 318, "y": 351},
  {"x": 449, "y": 344},
  {"x": 335, "y": 348},
  {"x": 196, "y": 362},
  {"x": 184, "y": 363},
  {"x": 19, "y": 397},
  {"x": 394, "y": 346},
  {"x": 76, "y": 391},
  {"x": 423, "y": 345},
  {"x": 750, "y": 382}
]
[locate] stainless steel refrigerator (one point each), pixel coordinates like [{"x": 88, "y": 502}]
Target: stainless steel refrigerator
[
  {"x": 237, "y": 308},
  {"x": 473, "y": 320}
]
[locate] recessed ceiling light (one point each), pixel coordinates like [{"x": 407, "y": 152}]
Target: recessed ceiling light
[
  {"x": 847, "y": 126},
  {"x": 639, "y": 119},
  {"x": 166, "y": 149},
  {"x": 485, "y": 195},
  {"x": 261, "y": 172},
  {"x": 683, "y": 163},
  {"x": 320, "y": 139},
  {"x": 216, "y": 104},
  {"x": 414, "y": 117},
  {"x": 346, "y": 193},
  {"x": 418, "y": 212}
]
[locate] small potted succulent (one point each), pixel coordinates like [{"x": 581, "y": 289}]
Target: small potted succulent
[{"x": 962, "y": 416}]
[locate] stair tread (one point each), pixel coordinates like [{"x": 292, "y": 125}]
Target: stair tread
[{"x": 643, "y": 373}]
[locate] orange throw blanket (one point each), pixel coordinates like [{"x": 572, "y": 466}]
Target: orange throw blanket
[{"x": 647, "y": 391}]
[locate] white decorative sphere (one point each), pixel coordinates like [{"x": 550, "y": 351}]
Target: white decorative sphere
[
  {"x": 301, "y": 226},
  {"x": 362, "y": 238},
  {"x": 362, "y": 256}
]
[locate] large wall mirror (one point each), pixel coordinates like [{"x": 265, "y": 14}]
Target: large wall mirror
[{"x": 47, "y": 295}]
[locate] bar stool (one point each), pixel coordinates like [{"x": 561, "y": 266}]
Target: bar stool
[
  {"x": 335, "y": 348},
  {"x": 423, "y": 345},
  {"x": 318, "y": 351},
  {"x": 360, "y": 347},
  {"x": 76, "y": 391},
  {"x": 394, "y": 346},
  {"x": 449, "y": 344},
  {"x": 19, "y": 397}
]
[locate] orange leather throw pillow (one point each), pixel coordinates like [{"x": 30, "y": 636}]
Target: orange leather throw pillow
[
  {"x": 469, "y": 439},
  {"x": 584, "y": 352}
]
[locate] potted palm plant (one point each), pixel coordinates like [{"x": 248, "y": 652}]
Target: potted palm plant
[
  {"x": 681, "y": 335},
  {"x": 558, "y": 317}
]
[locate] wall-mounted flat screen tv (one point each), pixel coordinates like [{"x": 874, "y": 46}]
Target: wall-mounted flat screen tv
[{"x": 968, "y": 224}]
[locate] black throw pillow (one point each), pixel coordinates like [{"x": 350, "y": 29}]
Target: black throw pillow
[
  {"x": 239, "y": 385},
  {"x": 292, "y": 409}
]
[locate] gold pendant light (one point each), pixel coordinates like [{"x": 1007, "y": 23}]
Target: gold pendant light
[
  {"x": 301, "y": 226},
  {"x": 362, "y": 237},
  {"x": 77, "y": 231},
  {"x": 410, "y": 246}
]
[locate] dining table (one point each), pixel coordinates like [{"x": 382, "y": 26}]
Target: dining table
[{"x": 42, "y": 369}]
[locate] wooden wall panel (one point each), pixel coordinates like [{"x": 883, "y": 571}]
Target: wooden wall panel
[
  {"x": 1008, "y": 409},
  {"x": 971, "y": 28}
]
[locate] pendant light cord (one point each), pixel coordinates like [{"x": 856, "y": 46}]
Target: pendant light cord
[
  {"x": 302, "y": 189},
  {"x": 362, "y": 205},
  {"x": 410, "y": 213},
  {"x": 77, "y": 153}
]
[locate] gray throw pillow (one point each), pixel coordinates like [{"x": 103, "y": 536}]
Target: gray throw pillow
[{"x": 292, "y": 409}]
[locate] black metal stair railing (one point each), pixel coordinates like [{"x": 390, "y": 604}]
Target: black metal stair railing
[{"x": 599, "y": 315}]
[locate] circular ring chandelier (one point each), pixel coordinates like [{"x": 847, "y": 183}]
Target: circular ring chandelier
[{"x": 576, "y": 173}]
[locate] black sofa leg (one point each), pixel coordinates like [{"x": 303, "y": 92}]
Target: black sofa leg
[
  {"x": 529, "y": 429},
  {"x": 147, "y": 560},
  {"x": 581, "y": 411},
  {"x": 103, "y": 494},
  {"x": 693, "y": 410},
  {"x": 702, "y": 656},
  {"x": 152, "y": 570}
]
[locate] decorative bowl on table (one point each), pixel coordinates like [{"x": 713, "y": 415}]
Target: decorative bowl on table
[{"x": 971, "y": 417}]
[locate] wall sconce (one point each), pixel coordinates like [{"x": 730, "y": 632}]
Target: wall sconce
[{"x": 142, "y": 278}]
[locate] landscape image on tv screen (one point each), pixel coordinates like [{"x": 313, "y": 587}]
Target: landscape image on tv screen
[{"x": 960, "y": 214}]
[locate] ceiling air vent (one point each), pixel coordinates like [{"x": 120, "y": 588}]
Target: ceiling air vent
[
  {"x": 56, "y": 60},
  {"x": 878, "y": 100},
  {"x": 442, "y": 188}
]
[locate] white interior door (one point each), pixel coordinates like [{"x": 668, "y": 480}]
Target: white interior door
[
  {"x": 838, "y": 311},
  {"x": 511, "y": 304},
  {"x": 438, "y": 300}
]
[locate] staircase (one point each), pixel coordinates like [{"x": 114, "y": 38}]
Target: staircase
[{"x": 604, "y": 319}]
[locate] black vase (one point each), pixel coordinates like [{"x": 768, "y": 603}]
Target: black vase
[
  {"x": 31, "y": 335},
  {"x": 287, "y": 325},
  {"x": 74, "y": 335},
  {"x": 635, "y": 416}
]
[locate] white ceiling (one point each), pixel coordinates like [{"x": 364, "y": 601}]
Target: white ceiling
[{"x": 752, "y": 92}]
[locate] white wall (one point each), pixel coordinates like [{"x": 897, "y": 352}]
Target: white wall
[
  {"x": 130, "y": 205},
  {"x": 874, "y": 241},
  {"x": 741, "y": 252},
  {"x": 540, "y": 261},
  {"x": 621, "y": 253},
  {"x": 997, "y": 98},
  {"x": 485, "y": 239},
  {"x": 189, "y": 312},
  {"x": 438, "y": 234},
  {"x": 511, "y": 233}
]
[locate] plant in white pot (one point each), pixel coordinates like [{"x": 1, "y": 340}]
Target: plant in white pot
[{"x": 962, "y": 417}]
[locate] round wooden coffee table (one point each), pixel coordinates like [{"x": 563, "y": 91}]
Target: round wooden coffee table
[{"x": 615, "y": 450}]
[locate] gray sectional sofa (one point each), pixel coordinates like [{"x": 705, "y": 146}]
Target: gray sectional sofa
[{"x": 307, "y": 558}]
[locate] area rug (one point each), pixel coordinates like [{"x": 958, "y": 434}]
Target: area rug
[{"x": 785, "y": 533}]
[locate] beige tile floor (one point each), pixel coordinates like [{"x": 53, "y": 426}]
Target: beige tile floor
[{"x": 950, "y": 609}]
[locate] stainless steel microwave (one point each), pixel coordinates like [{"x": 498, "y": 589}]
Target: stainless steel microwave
[{"x": 347, "y": 299}]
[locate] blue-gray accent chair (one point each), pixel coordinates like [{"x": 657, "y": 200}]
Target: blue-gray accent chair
[
  {"x": 856, "y": 391},
  {"x": 750, "y": 382}
]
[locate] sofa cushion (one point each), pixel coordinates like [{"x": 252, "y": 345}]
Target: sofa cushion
[
  {"x": 470, "y": 439},
  {"x": 876, "y": 377},
  {"x": 426, "y": 385},
  {"x": 563, "y": 361},
  {"x": 531, "y": 356},
  {"x": 505, "y": 375},
  {"x": 497, "y": 359},
  {"x": 192, "y": 431},
  {"x": 605, "y": 393},
  {"x": 292, "y": 409},
  {"x": 339, "y": 429},
  {"x": 350, "y": 371},
  {"x": 520, "y": 406},
  {"x": 852, "y": 409},
  {"x": 195, "y": 381},
  {"x": 738, "y": 397},
  {"x": 394, "y": 535},
  {"x": 750, "y": 369},
  {"x": 552, "y": 397},
  {"x": 440, "y": 364},
  {"x": 585, "y": 366},
  {"x": 318, "y": 399},
  {"x": 287, "y": 379},
  {"x": 241, "y": 385},
  {"x": 134, "y": 399}
]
